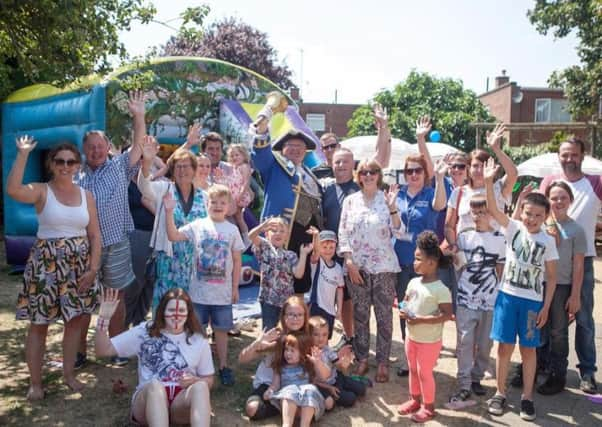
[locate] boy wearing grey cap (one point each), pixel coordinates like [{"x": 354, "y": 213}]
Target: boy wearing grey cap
[{"x": 326, "y": 296}]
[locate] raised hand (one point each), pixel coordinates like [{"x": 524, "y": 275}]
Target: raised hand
[
  {"x": 315, "y": 355},
  {"x": 267, "y": 338},
  {"x": 194, "y": 135},
  {"x": 494, "y": 137},
  {"x": 136, "y": 103},
  {"x": 306, "y": 248},
  {"x": 169, "y": 202},
  {"x": 423, "y": 127},
  {"x": 108, "y": 303},
  {"x": 391, "y": 196},
  {"x": 25, "y": 144},
  {"x": 381, "y": 118},
  {"x": 312, "y": 230},
  {"x": 491, "y": 169},
  {"x": 441, "y": 168},
  {"x": 149, "y": 147}
]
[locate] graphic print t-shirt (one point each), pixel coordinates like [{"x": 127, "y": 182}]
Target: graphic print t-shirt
[
  {"x": 330, "y": 278},
  {"x": 213, "y": 245},
  {"x": 166, "y": 357},
  {"x": 478, "y": 283},
  {"x": 526, "y": 256}
]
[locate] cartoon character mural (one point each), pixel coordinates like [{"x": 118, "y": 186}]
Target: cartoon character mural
[{"x": 179, "y": 90}]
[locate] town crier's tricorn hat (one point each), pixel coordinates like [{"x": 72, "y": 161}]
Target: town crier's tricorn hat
[{"x": 294, "y": 134}]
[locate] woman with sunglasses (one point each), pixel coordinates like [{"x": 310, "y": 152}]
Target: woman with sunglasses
[
  {"x": 458, "y": 206},
  {"x": 368, "y": 219},
  {"x": 418, "y": 204},
  {"x": 59, "y": 282}
]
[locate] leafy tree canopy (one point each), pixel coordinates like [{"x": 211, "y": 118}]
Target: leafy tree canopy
[
  {"x": 451, "y": 108},
  {"x": 57, "y": 41},
  {"x": 234, "y": 41},
  {"x": 582, "y": 83}
]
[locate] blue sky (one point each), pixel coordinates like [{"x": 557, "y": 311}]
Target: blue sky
[{"x": 358, "y": 47}]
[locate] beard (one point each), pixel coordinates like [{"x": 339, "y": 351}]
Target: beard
[{"x": 570, "y": 167}]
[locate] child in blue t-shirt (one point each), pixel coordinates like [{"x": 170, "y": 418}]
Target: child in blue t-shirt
[{"x": 520, "y": 308}]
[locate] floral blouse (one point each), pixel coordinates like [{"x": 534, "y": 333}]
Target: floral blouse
[
  {"x": 277, "y": 279},
  {"x": 365, "y": 231}
]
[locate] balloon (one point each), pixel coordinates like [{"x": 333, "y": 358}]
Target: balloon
[{"x": 435, "y": 136}]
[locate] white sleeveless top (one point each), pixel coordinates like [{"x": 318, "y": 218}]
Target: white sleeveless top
[{"x": 61, "y": 221}]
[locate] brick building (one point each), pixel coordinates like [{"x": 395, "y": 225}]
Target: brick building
[
  {"x": 519, "y": 105},
  {"x": 324, "y": 117}
]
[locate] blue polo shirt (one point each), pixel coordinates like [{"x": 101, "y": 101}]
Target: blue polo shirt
[{"x": 417, "y": 214}]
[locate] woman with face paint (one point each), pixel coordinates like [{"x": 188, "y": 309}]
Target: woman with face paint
[
  {"x": 175, "y": 366},
  {"x": 293, "y": 320}
]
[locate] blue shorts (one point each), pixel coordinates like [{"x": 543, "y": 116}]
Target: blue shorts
[
  {"x": 220, "y": 316},
  {"x": 514, "y": 316}
]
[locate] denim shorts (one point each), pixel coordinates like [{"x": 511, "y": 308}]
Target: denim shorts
[
  {"x": 514, "y": 316},
  {"x": 220, "y": 316}
]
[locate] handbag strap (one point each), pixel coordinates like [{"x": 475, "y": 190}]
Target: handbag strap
[{"x": 159, "y": 214}]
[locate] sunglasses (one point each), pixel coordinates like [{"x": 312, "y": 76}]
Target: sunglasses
[
  {"x": 329, "y": 147},
  {"x": 65, "y": 162},
  {"x": 458, "y": 166},
  {"x": 413, "y": 171},
  {"x": 366, "y": 172}
]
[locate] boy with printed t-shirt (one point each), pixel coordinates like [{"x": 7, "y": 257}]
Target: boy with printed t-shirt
[
  {"x": 326, "y": 297},
  {"x": 485, "y": 251},
  {"x": 218, "y": 256},
  {"x": 531, "y": 258}
]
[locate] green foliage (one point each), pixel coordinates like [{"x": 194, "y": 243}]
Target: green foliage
[
  {"x": 451, "y": 107},
  {"x": 525, "y": 152},
  {"x": 57, "y": 41},
  {"x": 582, "y": 83}
]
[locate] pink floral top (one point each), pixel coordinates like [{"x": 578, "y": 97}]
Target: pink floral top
[{"x": 365, "y": 231}]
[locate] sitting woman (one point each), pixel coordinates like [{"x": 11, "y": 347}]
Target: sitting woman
[
  {"x": 59, "y": 282},
  {"x": 175, "y": 367}
]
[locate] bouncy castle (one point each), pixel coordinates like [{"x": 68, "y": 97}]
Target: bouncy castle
[{"x": 180, "y": 91}]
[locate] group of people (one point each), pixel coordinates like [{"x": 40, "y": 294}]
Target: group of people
[{"x": 333, "y": 244}]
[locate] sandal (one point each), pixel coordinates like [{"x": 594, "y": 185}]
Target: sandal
[
  {"x": 423, "y": 415},
  {"x": 408, "y": 407},
  {"x": 362, "y": 368},
  {"x": 382, "y": 374}
]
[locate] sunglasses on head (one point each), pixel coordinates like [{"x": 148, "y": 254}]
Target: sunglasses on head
[
  {"x": 65, "y": 162},
  {"x": 366, "y": 172},
  {"x": 330, "y": 147},
  {"x": 413, "y": 171},
  {"x": 458, "y": 166}
]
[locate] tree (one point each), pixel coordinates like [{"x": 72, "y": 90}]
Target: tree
[
  {"x": 234, "y": 41},
  {"x": 451, "y": 108},
  {"x": 50, "y": 41},
  {"x": 582, "y": 83}
]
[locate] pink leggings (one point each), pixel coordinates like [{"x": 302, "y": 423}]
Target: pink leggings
[{"x": 422, "y": 358}]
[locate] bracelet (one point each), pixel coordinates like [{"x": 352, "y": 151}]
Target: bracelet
[
  {"x": 102, "y": 324},
  {"x": 393, "y": 212}
]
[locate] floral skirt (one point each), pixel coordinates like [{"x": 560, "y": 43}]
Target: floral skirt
[
  {"x": 50, "y": 289},
  {"x": 301, "y": 395}
]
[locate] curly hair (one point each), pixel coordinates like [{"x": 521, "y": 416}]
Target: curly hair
[{"x": 428, "y": 243}]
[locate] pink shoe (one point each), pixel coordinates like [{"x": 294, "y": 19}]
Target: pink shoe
[
  {"x": 423, "y": 415},
  {"x": 408, "y": 407}
]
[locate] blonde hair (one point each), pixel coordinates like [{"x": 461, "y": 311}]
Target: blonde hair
[
  {"x": 317, "y": 322},
  {"x": 218, "y": 190},
  {"x": 242, "y": 150}
]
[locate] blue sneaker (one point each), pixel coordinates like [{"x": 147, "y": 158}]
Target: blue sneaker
[{"x": 226, "y": 376}]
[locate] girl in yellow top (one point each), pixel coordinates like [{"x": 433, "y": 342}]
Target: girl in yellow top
[{"x": 426, "y": 306}]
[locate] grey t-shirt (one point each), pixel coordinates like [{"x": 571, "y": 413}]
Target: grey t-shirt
[{"x": 572, "y": 241}]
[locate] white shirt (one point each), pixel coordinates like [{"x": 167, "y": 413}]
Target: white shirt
[
  {"x": 167, "y": 357},
  {"x": 330, "y": 278},
  {"x": 526, "y": 256},
  {"x": 463, "y": 210}
]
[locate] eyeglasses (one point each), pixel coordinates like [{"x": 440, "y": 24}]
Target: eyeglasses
[
  {"x": 413, "y": 171},
  {"x": 185, "y": 166},
  {"x": 329, "y": 147},
  {"x": 366, "y": 172},
  {"x": 64, "y": 162},
  {"x": 295, "y": 315},
  {"x": 458, "y": 166}
]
